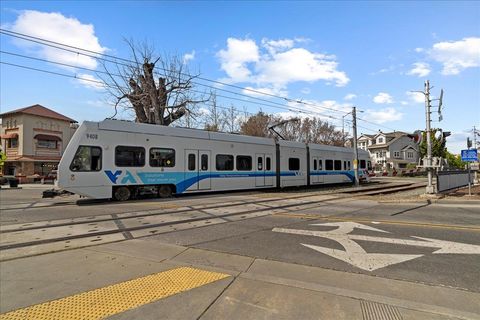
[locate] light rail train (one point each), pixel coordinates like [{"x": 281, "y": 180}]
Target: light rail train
[{"x": 121, "y": 160}]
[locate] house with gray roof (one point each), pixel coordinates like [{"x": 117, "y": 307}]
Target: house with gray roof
[{"x": 392, "y": 150}]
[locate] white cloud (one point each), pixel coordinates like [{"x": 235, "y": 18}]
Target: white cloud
[
  {"x": 458, "y": 141},
  {"x": 384, "y": 115},
  {"x": 350, "y": 96},
  {"x": 235, "y": 58},
  {"x": 383, "y": 97},
  {"x": 327, "y": 110},
  {"x": 90, "y": 81},
  {"x": 277, "y": 63},
  {"x": 457, "y": 56},
  {"x": 419, "y": 50},
  {"x": 306, "y": 91},
  {"x": 420, "y": 69},
  {"x": 416, "y": 97},
  {"x": 56, "y": 27},
  {"x": 260, "y": 92},
  {"x": 277, "y": 45},
  {"x": 188, "y": 57}
]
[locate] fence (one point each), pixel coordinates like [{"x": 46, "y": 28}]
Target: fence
[{"x": 447, "y": 180}]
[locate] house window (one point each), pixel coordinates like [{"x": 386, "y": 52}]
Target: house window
[
  {"x": 396, "y": 154},
  {"x": 12, "y": 143},
  {"x": 49, "y": 144},
  {"x": 410, "y": 155},
  {"x": 380, "y": 140}
]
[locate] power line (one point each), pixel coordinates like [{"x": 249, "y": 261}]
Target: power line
[
  {"x": 106, "y": 85},
  {"x": 268, "y": 104},
  {"x": 95, "y": 55},
  {"x": 62, "y": 45}
]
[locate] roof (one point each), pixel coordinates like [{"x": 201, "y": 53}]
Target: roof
[{"x": 39, "y": 110}]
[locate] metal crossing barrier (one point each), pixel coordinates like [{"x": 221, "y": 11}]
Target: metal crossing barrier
[{"x": 447, "y": 180}]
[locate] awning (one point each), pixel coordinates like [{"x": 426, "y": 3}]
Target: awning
[
  {"x": 9, "y": 135},
  {"x": 47, "y": 137}
]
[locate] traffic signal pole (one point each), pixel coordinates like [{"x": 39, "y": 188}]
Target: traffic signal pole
[
  {"x": 430, "y": 189},
  {"x": 355, "y": 149}
]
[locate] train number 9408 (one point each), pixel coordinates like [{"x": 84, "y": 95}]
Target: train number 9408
[{"x": 92, "y": 136}]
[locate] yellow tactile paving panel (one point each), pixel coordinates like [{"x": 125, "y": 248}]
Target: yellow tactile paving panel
[{"x": 107, "y": 301}]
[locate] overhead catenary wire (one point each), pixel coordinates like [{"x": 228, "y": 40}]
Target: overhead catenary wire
[
  {"x": 101, "y": 83},
  {"x": 95, "y": 55},
  {"x": 264, "y": 102},
  {"x": 267, "y": 104}
]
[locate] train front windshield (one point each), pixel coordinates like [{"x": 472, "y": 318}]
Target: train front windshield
[{"x": 87, "y": 158}]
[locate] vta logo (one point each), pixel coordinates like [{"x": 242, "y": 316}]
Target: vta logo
[{"x": 113, "y": 176}]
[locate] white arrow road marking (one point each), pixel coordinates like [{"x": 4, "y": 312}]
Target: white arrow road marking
[
  {"x": 346, "y": 227},
  {"x": 355, "y": 255},
  {"x": 365, "y": 261}
]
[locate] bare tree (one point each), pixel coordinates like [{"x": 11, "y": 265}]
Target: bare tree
[
  {"x": 312, "y": 130},
  {"x": 215, "y": 119},
  {"x": 257, "y": 125},
  {"x": 158, "y": 89}
]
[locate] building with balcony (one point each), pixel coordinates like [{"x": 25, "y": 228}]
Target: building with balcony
[
  {"x": 33, "y": 139},
  {"x": 393, "y": 150}
]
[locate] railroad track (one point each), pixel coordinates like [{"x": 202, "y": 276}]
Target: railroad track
[{"x": 40, "y": 237}]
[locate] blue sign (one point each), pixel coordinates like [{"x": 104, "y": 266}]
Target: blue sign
[{"x": 470, "y": 155}]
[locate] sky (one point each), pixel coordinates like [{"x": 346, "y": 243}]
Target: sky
[{"x": 327, "y": 56}]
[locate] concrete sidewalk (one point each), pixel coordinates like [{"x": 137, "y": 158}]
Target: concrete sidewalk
[{"x": 255, "y": 288}]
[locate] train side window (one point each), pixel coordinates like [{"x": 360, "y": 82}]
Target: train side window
[
  {"x": 224, "y": 162},
  {"x": 344, "y": 165},
  {"x": 162, "y": 157},
  {"x": 369, "y": 165},
  {"x": 244, "y": 163},
  {"x": 87, "y": 159},
  {"x": 126, "y": 156},
  {"x": 363, "y": 164},
  {"x": 293, "y": 164},
  {"x": 320, "y": 164},
  {"x": 338, "y": 164},
  {"x": 191, "y": 161},
  {"x": 260, "y": 163},
  {"x": 314, "y": 164},
  {"x": 349, "y": 165},
  {"x": 328, "y": 165},
  {"x": 204, "y": 162},
  {"x": 268, "y": 164}
]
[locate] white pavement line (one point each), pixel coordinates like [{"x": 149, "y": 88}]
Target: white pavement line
[{"x": 402, "y": 303}]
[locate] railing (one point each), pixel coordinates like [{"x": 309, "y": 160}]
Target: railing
[{"x": 447, "y": 180}]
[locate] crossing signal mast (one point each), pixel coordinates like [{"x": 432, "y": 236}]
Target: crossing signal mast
[{"x": 428, "y": 160}]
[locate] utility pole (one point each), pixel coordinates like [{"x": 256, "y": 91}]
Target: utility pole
[
  {"x": 355, "y": 150},
  {"x": 429, "y": 189}
]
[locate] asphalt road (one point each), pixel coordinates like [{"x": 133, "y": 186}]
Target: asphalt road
[{"x": 389, "y": 240}]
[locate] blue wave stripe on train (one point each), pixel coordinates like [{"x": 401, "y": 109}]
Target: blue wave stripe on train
[{"x": 184, "y": 180}]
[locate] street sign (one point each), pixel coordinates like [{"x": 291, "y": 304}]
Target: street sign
[{"x": 470, "y": 155}]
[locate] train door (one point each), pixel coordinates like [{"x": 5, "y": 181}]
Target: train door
[
  {"x": 264, "y": 170},
  {"x": 197, "y": 166},
  {"x": 316, "y": 170}
]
